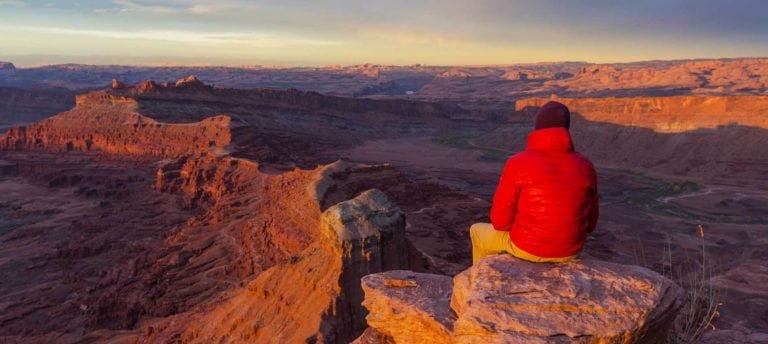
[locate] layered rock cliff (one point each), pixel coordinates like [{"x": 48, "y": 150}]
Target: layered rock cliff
[
  {"x": 126, "y": 134},
  {"x": 506, "y": 300},
  {"x": 666, "y": 114},
  {"x": 313, "y": 294}
]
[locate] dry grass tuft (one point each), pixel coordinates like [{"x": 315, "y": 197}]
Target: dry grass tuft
[{"x": 702, "y": 297}]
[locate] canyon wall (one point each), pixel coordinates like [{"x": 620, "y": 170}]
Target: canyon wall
[
  {"x": 666, "y": 114},
  {"x": 709, "y": 137},
  {"x": 249, "y": 256}
]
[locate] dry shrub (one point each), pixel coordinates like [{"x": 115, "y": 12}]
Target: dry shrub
[{"x": 702, "y": 297}]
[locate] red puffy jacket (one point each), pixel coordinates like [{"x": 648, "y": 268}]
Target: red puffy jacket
[{"x": 547, "y": 196}]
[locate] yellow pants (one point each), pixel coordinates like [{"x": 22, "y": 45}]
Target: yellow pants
[{"x": 487, "y": 241}]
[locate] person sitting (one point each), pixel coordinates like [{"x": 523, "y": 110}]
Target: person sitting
[{"x": 546, "y": 201}]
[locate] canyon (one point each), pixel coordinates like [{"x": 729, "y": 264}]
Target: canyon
[{"x": 180, "y": 211}]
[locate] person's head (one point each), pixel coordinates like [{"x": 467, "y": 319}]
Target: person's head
[{"x": 553, "y": 115}]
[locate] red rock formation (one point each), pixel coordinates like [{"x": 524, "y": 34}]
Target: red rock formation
[
  {"x": 117, "y": 85},
  {"x": 190, "y": 82},
  {"x": 708, "y": 77},
  {"x": 119, "y": 133},
  {"x": 258, "y": 257},
  {"x": 158, "y": 120},
  {"x": 314, "y": 292},
  {"x": 251, "y": 255},
  {"x": 666, "y": 114}
]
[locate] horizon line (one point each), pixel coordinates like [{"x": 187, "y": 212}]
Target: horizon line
[{"x": 289, "y": 65}]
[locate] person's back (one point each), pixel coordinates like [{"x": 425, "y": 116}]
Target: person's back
[{"x": 546, "y": 201}]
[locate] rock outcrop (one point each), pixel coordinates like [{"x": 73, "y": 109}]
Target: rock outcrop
[
  {"x": 506, "y": 300},
  {"x": 119, "y": 133},
  {"x": 191, "y": 82},
  {"x": 117, "y": 84},
  {"x": 316, "y": 296},
  {"x": 7, "y": 66}
]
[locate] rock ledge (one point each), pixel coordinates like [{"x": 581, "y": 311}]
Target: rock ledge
[{"x": 506, "y": 300}]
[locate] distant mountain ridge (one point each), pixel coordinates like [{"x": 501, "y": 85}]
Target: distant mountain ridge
[{"x": 741, "y": 76}]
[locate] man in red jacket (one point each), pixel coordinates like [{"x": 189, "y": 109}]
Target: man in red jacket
[{"x": 546, "y": 201}]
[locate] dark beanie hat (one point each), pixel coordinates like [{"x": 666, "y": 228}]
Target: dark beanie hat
[{"x": 553, "y": 115}]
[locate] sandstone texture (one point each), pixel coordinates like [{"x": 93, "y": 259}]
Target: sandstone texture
[
  {"x": 311, "y": 297},
  {"x": 410, "y": 307},
  {"x": 506, "y": 300},
  {"x": 203, "y": 249}
]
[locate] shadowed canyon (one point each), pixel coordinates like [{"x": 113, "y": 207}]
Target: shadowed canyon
[{"x": 146, "y": 205}]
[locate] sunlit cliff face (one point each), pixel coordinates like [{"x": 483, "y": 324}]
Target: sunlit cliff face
[{"x": 667, "y": 114}]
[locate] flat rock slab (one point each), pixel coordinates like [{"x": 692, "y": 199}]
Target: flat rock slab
[
  {"x": 410, "y": 307},
  {"x": 580, "y": 301}
]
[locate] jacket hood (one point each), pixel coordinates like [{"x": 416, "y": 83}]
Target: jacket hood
[{"x": 550, "y": 140}]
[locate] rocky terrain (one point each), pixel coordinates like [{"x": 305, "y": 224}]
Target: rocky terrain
[
  {"x": 179, "y": 211},
  {"x": 464, "y": 83},
  {"x": 244, "y": 233}
]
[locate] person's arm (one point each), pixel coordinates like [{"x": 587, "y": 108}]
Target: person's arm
[
  {"x": 594, "y": 203},
  {"x": 504, "y": 206}
]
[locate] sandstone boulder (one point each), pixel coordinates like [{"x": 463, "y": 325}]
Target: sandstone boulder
[
  {"x": 506, "y": 300},
  {"x": 583, "y": 301}
]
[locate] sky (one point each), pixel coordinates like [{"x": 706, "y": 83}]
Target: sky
[{"x": 324, "y": 32}]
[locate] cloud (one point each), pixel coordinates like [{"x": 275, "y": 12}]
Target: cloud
[
  {"x": 197, "y": 7},
  {"x": 412, "y": 30},
  {"x": 133, "y": 6},
  {"x": 201, "y": 9},
  {"x": 160, "y": 8},
  {"x": 247, "y": 39}
]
